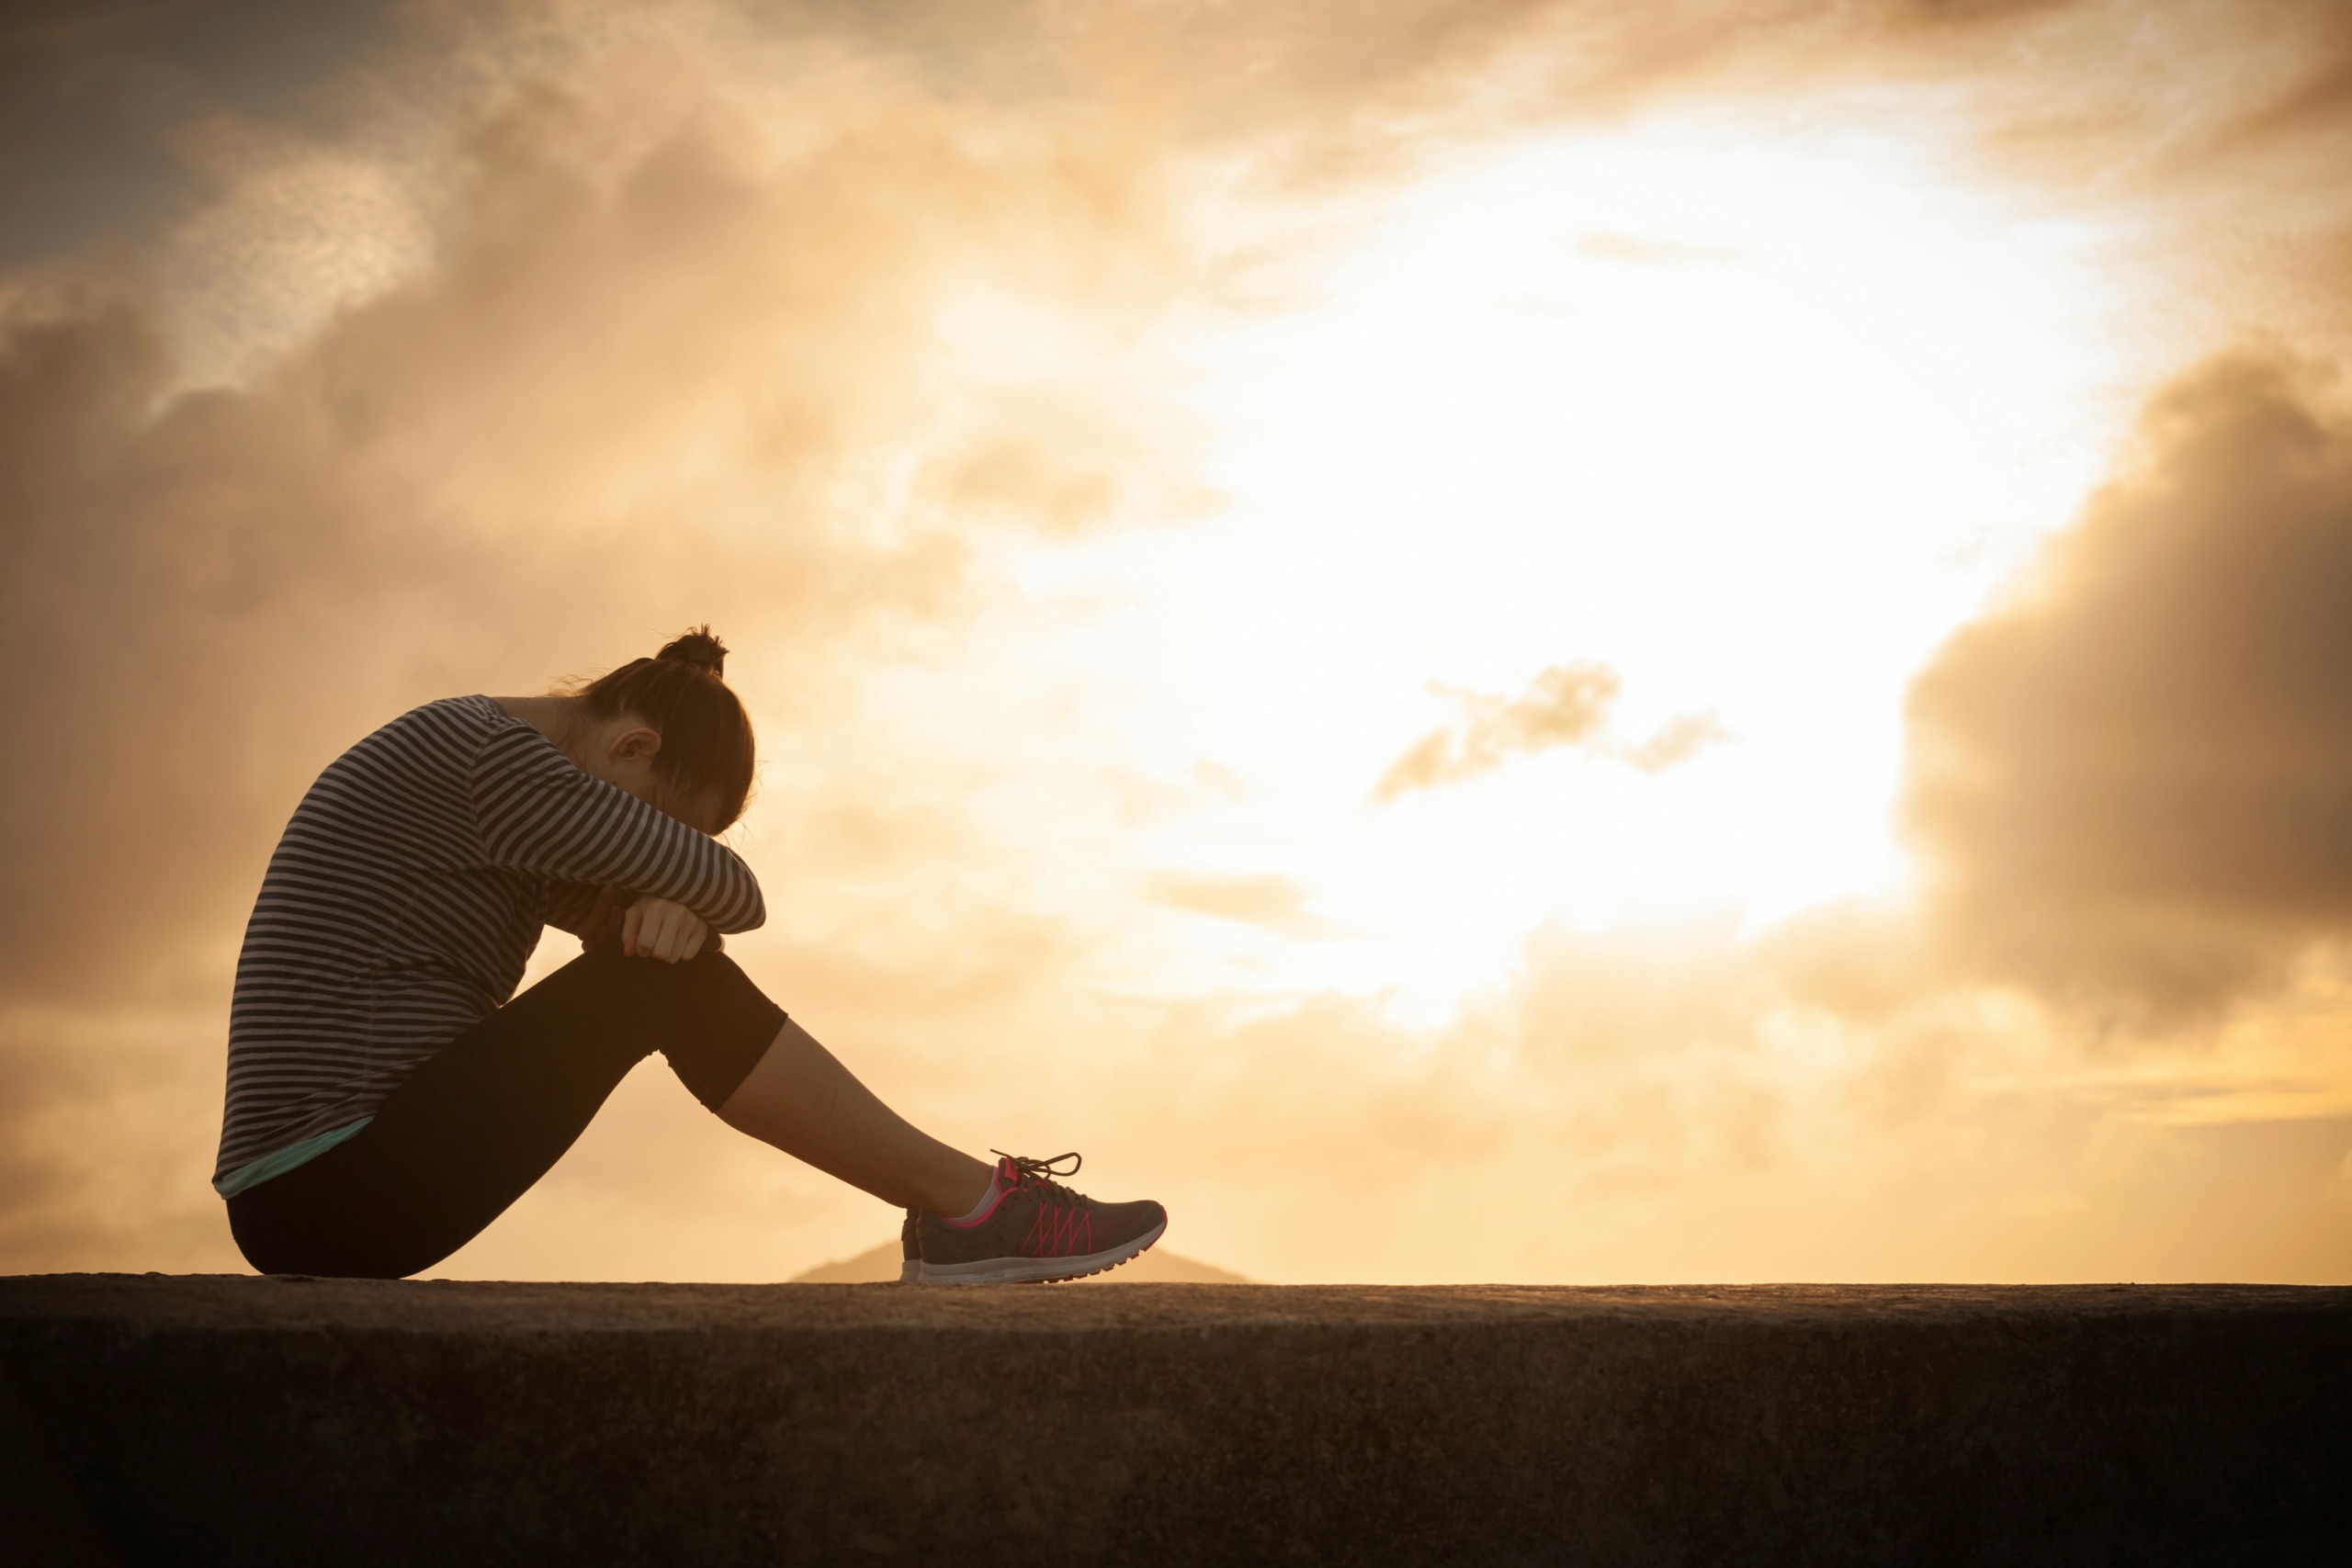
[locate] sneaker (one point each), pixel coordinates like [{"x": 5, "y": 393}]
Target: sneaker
[
  {"x": 1033, "y": 1228},
  {"x": 909, "y": 1251}
]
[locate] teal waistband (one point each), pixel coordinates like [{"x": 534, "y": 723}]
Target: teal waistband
[{"x": 285, "y": 1159}]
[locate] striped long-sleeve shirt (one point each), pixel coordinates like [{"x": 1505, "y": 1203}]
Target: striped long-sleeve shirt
[{"x": 403, "y": 902}]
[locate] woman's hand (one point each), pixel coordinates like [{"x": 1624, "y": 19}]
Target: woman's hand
[
  {"x": 656, "y": 928},
  {"x": 604, "y": 925}
]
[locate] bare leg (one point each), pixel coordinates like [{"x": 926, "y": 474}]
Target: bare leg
[{"x": 800, "y": 1099}]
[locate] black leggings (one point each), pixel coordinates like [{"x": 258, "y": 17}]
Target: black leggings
[{"x": 484, "y": 1117}]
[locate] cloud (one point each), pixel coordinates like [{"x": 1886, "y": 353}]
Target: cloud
[
  {"x": 666, "y": 363},
  {"x": 109, "y": 90},
  {"x": 109, "y": 1122},
  {"x": 1641, "y": 250},
  {"x": 1565, "y": 705},
  {"x": 2133, "y": 785},
  {"x": 1021, "y": 478},
  {"x": 1677, "y": 741},
  {"x": 1275, "y": 902},
  {"x": 355, "y": 355},
  {"x": 694, "y": 345},
  {"x": 1673, "y": 1102}
]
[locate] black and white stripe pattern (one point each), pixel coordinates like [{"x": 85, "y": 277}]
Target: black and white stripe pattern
[{"x": 406, "y": 896}]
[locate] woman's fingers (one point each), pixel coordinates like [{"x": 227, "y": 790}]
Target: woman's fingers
[
  {"x": 688, "y": 933},
  {"x": 657, "y": 928}
]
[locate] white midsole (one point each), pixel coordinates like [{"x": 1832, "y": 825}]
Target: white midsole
[{"x": 1021, "y": 1270}]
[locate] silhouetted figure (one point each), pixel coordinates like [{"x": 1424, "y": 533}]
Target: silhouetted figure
[{"x": 387, "y": 1100}]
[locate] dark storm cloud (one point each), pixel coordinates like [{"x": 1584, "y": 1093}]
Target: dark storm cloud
[
  {"x": 95, "y": 93},
  {"x": 2136, "y": 785}
]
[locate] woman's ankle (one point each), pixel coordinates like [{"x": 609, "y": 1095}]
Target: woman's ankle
[{"x": 966, "y": 1195}]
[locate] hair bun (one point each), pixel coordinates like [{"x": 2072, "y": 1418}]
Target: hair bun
[{"x": 699, "y": 649}]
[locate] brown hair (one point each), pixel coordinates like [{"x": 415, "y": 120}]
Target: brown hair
[{"x": 705, "y": 735}]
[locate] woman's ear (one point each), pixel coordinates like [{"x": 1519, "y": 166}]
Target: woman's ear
[{"x": 637, "y": 745}]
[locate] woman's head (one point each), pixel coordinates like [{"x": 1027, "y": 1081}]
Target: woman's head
[{"x": 668, "y": 731}]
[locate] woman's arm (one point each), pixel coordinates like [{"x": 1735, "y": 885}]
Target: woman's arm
[
  {"x": 655, "y": 927},
  {"x": 637, "y": 926},
  {"x": 538, "y": 813},
  {"x": 573, "y": 906}
]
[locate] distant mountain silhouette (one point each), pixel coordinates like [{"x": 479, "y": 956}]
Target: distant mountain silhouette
[{"x": 1157, "y": 1266}]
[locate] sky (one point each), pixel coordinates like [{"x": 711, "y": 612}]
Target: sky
[{"x": 1553, "y": 642}]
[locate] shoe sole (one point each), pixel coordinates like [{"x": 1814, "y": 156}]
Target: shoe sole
[{"x": 1038, "y": 1270}]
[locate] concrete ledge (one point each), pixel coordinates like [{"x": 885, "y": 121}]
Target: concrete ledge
[{"x": 245, "y": 1420}]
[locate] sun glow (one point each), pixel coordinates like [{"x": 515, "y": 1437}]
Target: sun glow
[
  {"x": 1329, "y": 596},
  {"x": 1752, "y": 419}
]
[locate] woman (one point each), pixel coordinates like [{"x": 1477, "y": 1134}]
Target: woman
[{"x": 386, "y": 1101}]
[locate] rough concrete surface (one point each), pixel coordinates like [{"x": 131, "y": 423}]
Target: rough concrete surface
[{"x": 243, "y": 1420}]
